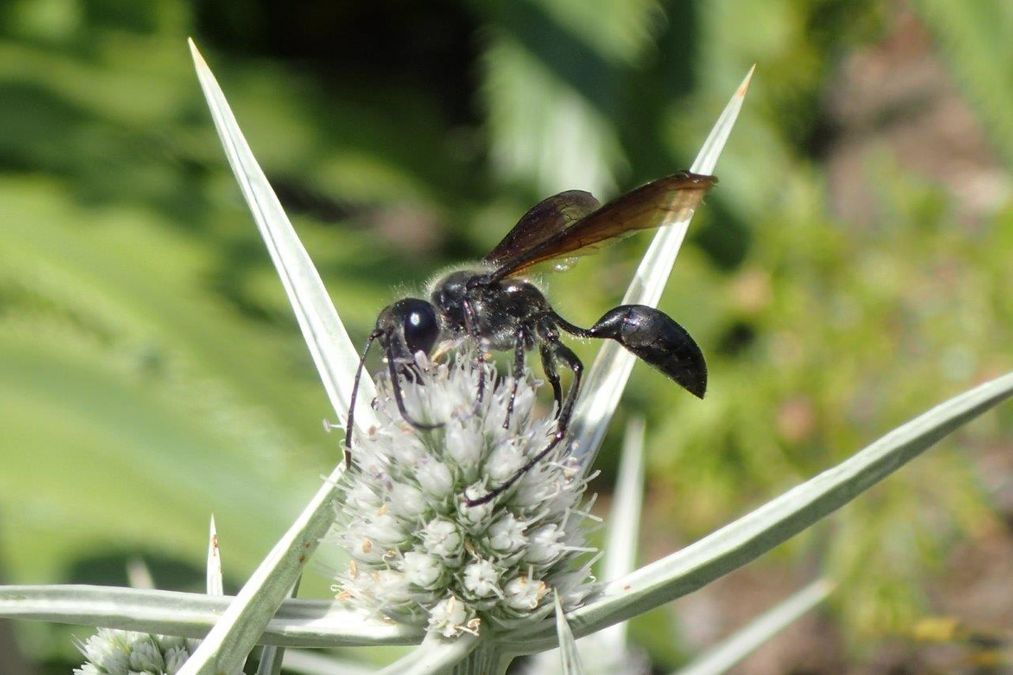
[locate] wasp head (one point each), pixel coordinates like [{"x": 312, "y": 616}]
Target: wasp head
[{"x": 406, "y": 327}]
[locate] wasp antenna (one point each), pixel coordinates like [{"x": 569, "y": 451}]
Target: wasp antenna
[{"x": 350, "y": 418}]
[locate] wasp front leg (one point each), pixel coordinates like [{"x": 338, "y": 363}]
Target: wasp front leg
[
  {"x": 471, "y": 326},
  {"x": 519, "y": 346},
  {"x": 395, "y": 383}
]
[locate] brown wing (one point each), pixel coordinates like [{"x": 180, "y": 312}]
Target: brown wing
[
  {"x": 658, "y": 203},
  {"x": 542, "y": 221}
]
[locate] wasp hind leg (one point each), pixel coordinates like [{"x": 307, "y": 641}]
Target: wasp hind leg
[{"x": 552, "y": 375}]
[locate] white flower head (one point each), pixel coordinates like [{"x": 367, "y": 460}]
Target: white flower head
[
  {"x": 175, "y": 657},
  {"x": 506, "y": 535},
  {"x": 146, "y": 656},
  {"x": 545, "y": 546},
  {"x": 408, "y": 501},
  {"x": 442, "y": 539},
  {"x": 505, "y": 460},
  {"x": 525, "y": 593},
  {"x": 121, "y": 652},
  {"x": 435, "y": 479},
  {"x": 422, "y": 570},
  {"x": 406, "y": 517},
  {"x": 480, "y": 579},
  {"x": 451, "y": 617}
]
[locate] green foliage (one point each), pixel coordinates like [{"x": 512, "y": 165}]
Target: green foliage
[
  {"x": 149, "y": 369},
  {"x": 975, "y": 40}
]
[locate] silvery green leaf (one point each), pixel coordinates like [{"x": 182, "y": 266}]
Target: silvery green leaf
[
  {"x": 302, "y": 623},
  {"x": 623, "y": 522},
  {"x": 333, "y": 353},
  {"x": 272, "y": 656},
  {"x": 749, "y": 537},
  {"x": 225, "y": 648},
  {"x": 609, "y": 646},
  {"x": 723, "y": 656},
  {"x": 435, "y": 655},
  {"x": 611, "y": 369},
  {"x": 306, "y": 662},
  {"x": 569, "y": 656}
]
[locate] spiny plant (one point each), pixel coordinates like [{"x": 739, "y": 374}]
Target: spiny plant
[{"x": 474, "y": 587}]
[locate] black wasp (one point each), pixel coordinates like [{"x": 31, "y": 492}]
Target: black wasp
[{"x": 499, "y": 310}]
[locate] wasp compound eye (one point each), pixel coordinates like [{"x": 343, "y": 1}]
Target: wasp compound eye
[{"x": 419, "y": 323}]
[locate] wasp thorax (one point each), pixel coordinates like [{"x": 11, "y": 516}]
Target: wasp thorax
[{"x": 450, "y": 295}]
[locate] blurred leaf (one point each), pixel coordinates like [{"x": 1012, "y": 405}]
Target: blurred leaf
[
  {"x": 554, "y": 70},
  {"x": 760, "y": 631},
  {"x": 975, "y": 41},
  {"x": 105, "y": 362}
]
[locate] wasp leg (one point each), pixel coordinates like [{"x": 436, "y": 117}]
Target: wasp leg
[
  {"x": 559, "y": 351},
  {"x": 480, "y": 394},
  {"x": 471, "y": 326},
  {"x": 518, "y": 373},
  {"x": 570, "y": 360},
  {"x": 395, "y": 382},
  {"x": 549, "y": 367}
]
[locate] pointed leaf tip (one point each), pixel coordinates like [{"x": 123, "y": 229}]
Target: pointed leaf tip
[
  {"x": 610, "y": 371},
  {"x": 334, "y": 356},
  {"x": 568, "y": 652},
  {"x": 195, "y": 54},
  {"x": 225, "y": 647},
  {"x": 214, "y": 584},
  {"x": 744, "y": 87}
]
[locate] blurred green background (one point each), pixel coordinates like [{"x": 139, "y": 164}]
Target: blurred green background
[{"x": 852, "y": 268}]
